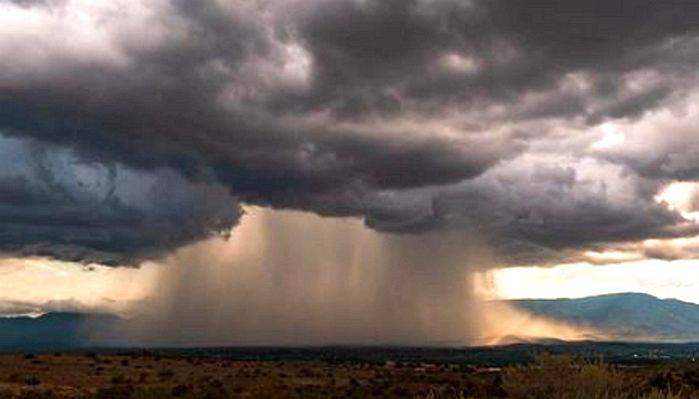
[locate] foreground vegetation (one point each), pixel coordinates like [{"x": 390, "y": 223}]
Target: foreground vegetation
[{"x": 136, "y": 376}]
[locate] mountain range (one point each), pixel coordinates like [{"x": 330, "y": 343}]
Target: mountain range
[
  {"x": 625, "y": 317},
  {"x": 53, "y": 331}
]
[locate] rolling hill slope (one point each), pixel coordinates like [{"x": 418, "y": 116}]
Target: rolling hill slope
[{"x": 629, "y": 316}]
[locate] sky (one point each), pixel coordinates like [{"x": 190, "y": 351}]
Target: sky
[
  {"x": 676, "y": 279},
  {"x": 533, "y": 145}
]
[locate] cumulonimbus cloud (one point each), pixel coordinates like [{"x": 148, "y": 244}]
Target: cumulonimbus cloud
[
  {"x": 416, "y": 115},
  {"x": 53, "y": 205}
]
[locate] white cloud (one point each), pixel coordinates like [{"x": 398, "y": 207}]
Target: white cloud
[
  {"x": 39, "y": 285},
  {"x": 664, "y": 279}
]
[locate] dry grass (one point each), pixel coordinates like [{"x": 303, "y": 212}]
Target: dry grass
[
  {"x": 562, "y": 377},
  {"x": 141, "y": 376}
]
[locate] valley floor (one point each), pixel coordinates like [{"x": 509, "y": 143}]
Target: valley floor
[{"x": 147, "y": 375}]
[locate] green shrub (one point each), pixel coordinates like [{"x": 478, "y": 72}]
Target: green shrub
[
  {"x": 561, "y": 377},
  {"x": 32, "y": 380},
  {"x": 657, "y": 394},
  {"x": 166, "y": 374},
  {"x": 115, "y": 392}
]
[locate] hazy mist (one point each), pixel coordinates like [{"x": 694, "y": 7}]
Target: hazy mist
[{"x": 296, "y": 278}]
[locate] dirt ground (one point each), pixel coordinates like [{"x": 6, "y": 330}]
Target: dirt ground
[
  {"x": 129, "y": 375},
  {"x": 147, "y": 375}
]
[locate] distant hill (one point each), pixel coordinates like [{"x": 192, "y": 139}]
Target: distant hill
[
  {"x": 53, "y": 331},
  {"x": 630, "y": 316}
]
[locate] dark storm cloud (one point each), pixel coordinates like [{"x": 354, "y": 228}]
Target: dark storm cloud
[
  {"x": 664, "y": 149},
  {"x": 376, "y": 57},
  {"x": 538, "y": 210},
  {"x": 416, "y": 115},
  {"x": 53, "y": 205}
]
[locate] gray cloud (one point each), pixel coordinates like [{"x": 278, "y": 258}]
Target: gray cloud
[
  {"x": 54, "y": 205},
  {"x": 416, "y": 115},
  {"x": 534, "y": 209},
  {"x": 21, "y": 308}
]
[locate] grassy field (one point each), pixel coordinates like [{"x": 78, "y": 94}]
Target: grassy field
[{"x": 142, "y": 375}]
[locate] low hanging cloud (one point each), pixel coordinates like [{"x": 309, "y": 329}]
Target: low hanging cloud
[
  {"x": 53, "y": 205},
  {"x": 547, "y": 126}
]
